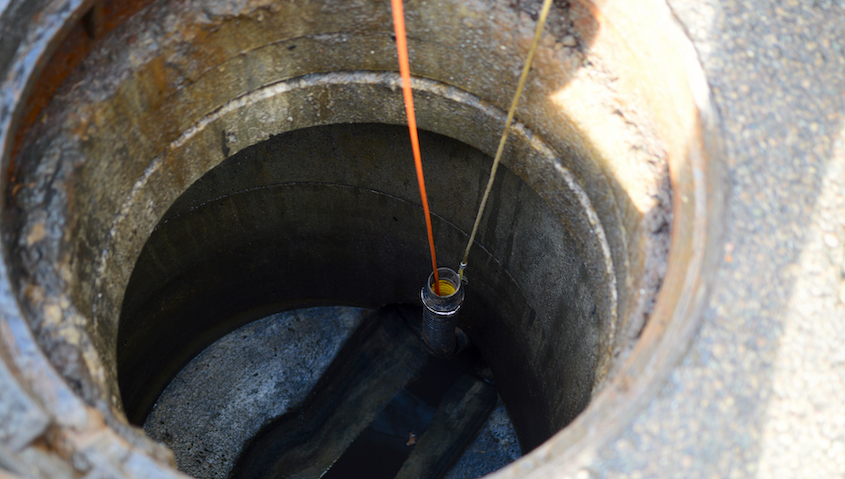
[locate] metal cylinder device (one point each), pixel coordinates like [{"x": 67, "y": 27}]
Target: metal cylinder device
[{"x": 440, "y": 313}]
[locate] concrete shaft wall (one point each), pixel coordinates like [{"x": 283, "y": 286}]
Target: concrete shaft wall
[{"x": 759, "y": 389}]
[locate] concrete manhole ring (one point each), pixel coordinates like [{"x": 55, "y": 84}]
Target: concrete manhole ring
[{"x": 615, "y": 139}]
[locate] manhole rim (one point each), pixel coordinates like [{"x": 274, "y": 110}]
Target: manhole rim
[{"x": 657, "y": 354}]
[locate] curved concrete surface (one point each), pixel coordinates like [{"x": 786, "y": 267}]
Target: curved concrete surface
[{"x": 758, "y": 391}]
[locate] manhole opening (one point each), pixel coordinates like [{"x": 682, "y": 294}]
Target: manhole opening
[
  {"x": 598, "y": 138},
  {"x": 329, "y": 216}
]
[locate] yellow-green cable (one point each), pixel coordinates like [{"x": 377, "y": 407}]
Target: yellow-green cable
[{"x": 544, "y": 13}]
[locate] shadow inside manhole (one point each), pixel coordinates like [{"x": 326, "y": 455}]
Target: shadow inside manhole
[{"x": 382, "y": 408}]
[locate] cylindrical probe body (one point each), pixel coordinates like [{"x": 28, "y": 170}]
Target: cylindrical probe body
[{"x": 440, "y": 312}]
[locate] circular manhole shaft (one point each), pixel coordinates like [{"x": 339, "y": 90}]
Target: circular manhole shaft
[{"x": 615, "y": 139}]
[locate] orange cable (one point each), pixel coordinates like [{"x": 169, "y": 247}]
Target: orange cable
[{"x": 405, "y": 71}]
